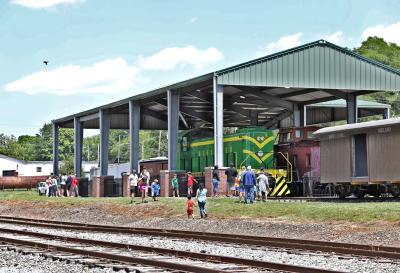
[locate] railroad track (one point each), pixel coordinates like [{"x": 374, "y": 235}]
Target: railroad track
[
  {"x": 147, "y": 258},
  {"x": 374, "y": 251},
  {"x": 335, "y": 199}
]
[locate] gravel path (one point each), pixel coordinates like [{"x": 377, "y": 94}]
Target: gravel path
[{"x": 326, "y": 261}]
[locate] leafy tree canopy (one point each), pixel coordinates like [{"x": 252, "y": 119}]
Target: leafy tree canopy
[{"x": 387, "y": 53}]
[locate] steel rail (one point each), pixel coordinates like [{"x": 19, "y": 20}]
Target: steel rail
[
  {"x": 334, "y": 199},
  {"x": 113, "y": 257},
  {"x": 286, "y": 243},
  {"x": 161, "y": 251}
]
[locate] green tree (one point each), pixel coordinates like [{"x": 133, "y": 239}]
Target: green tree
[
  {"x": 387, "y": 53},
  {"x": 67, "y": 165}
]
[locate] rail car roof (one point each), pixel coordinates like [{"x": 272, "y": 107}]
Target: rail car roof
[{"x": 356, "y": 126}]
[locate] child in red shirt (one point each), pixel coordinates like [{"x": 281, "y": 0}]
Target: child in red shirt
[
  {"x": 190, "y": 182},
  {"x": 189, "y": 207}
]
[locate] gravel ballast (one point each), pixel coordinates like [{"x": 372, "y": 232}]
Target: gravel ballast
[
  {"x": 378, "y": 233},
  {"x": 15, "y": 262},
  {"x": 327, "y": 261}
]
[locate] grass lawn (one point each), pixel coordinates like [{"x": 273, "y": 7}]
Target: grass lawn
[{"x": 228, "y": 208}]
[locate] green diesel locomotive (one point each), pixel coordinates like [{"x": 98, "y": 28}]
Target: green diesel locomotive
[{"x": 247, "y": 146}]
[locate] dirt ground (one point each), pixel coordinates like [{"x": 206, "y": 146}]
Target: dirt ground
[{"x": 158, "y": 216}]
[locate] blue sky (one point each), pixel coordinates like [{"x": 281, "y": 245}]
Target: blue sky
[{"x": 101, "y": 50}]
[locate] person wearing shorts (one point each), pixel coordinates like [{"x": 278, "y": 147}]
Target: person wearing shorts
[
  {"x": 133, "y": 184},
  {"x": 215, "y": 180},
  {"x": 241, "y": 187},
  {"x": 189, "y": 207},
  {"x": 155, "y": 189},
  {"x": 190, "y": 182},
  {"x": 175, "y": 186},
  {"x": 144, "y": 178}
]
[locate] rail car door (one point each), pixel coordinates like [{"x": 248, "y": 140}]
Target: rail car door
[{"x": 360, "y": 160}]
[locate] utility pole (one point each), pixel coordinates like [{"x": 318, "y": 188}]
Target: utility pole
[
  {"x": 159, "y": 144},
  {"x": 98, "y": 155},
  {"x": 143, "y": 149},
  {"x": 119, "y": 146},
  {"x": 88, "y": 153}
]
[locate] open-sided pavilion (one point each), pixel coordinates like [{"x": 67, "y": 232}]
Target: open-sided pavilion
[{"x": 261, "y": 92}]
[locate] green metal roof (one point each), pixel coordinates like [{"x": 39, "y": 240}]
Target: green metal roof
[
  {"x": 342, "y": 103},
  {"x": 319, "y": 64}
]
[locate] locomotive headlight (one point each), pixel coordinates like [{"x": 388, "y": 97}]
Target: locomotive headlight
[
  {"x": 262, "y": 138},
  {"x": 260, "y": 153}
]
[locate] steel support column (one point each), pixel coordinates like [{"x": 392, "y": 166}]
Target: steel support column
[
  {"x": 55, "y": 149},
  {"x": 298, "y": 115},
  {"x": 253, "y": 118},
  {"x": 104, "y": 133},
  {"x": 218, "y": 92},
  {"x": 173, "y": 127},
  {"x": 386, "y": 113},
  {"x": 351, "y": 102},
  {"x": 134, "y": 127},
  {"x": 78, "y": 139}
]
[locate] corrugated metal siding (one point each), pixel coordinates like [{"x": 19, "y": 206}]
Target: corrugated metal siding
[
  {"x": 319, "y": 66},
  {"x": 335, "y": 160},
  {"x": 387, "y": 146}
]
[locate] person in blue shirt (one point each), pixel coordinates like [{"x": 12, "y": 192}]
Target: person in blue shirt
[
  {"x": 156, "y": 189},
  {"x": 249, "y": 181},
  {"x": 201, "y": 197}
]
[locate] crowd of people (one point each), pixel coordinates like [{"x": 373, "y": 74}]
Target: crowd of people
[
  {"x": 140, "y": 185},
  {"x": 243, "y": 184},
  {"x": 62, "y": 186}
]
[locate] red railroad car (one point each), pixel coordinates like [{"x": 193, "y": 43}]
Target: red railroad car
[{"x": 302, "y": 150}]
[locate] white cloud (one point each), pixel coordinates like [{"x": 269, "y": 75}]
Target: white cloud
[
  {"x": 193, "y": 20},
  {"x": 283, "y": 43},
  {"x": 170, "y": 58},
  {"x": 112, "y": 75},
  {"x": 390, "y": 33},
  {"x": 109, "y": 76},
  {"x": 335, "y": 38},
  {"x": 41, "y": 4}
]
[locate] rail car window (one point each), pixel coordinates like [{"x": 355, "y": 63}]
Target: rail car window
[
  {"x": 38, "y": 169},
  {"x": 295, "y": 161},
  {"x": 360, "y": 163},
  {"x": 184, "y": 144},
  {"x": 310, "y": 134},
  {"x": 308, "y": 160},
  {"x": 285, "y": 137},
  {"x": 298, "y": 134}
]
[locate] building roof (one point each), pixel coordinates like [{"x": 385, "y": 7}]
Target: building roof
[
  {"x": 266, "y": 89},
  {"x": 358, "y": 126},
  {"x": 342, "y": 103},
  {"x": 11, "y": 159}
]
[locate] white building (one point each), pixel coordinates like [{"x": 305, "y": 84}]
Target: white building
[{"x": 32, "y": 168}]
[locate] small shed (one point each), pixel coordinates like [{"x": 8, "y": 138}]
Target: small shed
[{"x": 361, "y": 153}]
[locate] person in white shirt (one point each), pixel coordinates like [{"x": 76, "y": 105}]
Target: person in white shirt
[
  {"x": 133, "y": 183},
  {"x": 144, "y": 185}
]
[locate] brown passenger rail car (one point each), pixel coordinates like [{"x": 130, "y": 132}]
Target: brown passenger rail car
[{"x": 361, "y": 158}]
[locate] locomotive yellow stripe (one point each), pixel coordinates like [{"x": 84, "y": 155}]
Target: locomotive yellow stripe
[
  {"x": 266, "y": 156},
  {"x": 253, "y": 155},
  {"x": 283, "y": 190},
  {"x": 202, "y": 143},
  {"x": 277, "y": 187},
  {"x": 235, "y": 138}
]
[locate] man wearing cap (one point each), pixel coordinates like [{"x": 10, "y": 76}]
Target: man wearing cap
[
  {"x": 262, "y": 180},
  {"x": 249, "y": 181}
]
